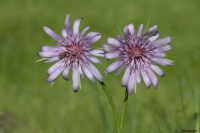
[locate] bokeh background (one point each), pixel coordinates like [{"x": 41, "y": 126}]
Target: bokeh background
[{"x": 29, "y": 105}]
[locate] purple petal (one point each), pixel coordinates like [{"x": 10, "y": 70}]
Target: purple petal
[
  {"x": 76, "y": 79},
  {"x": 95, "y": 72},
  {"x": 125, "y": 77},
  {"x": 95, "y": 60},
  {"x": 88, "y": 74},
  {"x": 150, "y": 31},
  {"x": 93, "y": 40},
  {"x": 64, "y": 33},
  {"x": 47, "y": 54},
  {"x": 51, "y": 60},
  {"x": 112, "y": 55},
  {"x": 67, "y": 24},
  {"x": 162, "y": 41},
  {"x": 91, "y": 35},
  {"x": 163, "y": 48},
  {"x": 154, "y": 36},
  {"x": 152, "y": 77},
  {"x": 108, "y": 48},
  {"x": 55, "y": 74},
  {"x": 140, "y": 30},
  {"x": 157, "y": 70},
  {"x": 113, "y": 41},
  {"x": 50, "y": 48},
  {"x": 120, "y": 69},
  {"x": 120, "y": 39},
  {"x": 137, "y": 78},
  {"x": 54, "y": 67},
  {"x": 84, "y": 31},
  {"x": 97, "y": 52},
  {"x": 157, "y": 54},
  {"x": 146, "y": 79},
  {"x": 131, "y": 83},
  {"x": 163, "y": 61},
  {"x": 66, "y": 73},
  {"x": 76, "y": 26},
  {"x": 113, "y": 66},
  {"x": 81, "y": 72},
  {"x": 131, "y": 29},
  {"x": 52, "y": 34},
  {"x": 127, "y": 33}
]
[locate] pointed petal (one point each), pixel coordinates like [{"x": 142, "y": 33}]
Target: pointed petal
[
  {"x": 76, "y": 79},
  {"x": 163, "y": 61},
  {"x": 137, "y": 78},
  {"x": 50, "y": 49},
  {"x": 127, "y": 33},
  {"x": 157, "y": 70},
  {"x": 55, "y": 74},
  {"x": 67, "y": 24},
  {"x": 93, "y": 40},
  {"x": 108, "y": 48},
  {"x": 131, "y": 29},
  {"x": 95, "y": 72},
  {"x": 47, "y": 54},
  {"x": 95, "y": 60},
  {"x": 140, "y": 30},
  {"x": 162, "y": 41},
  {"x": 113, "y": 66},
  {"x": 154, "y": 36},
  {"x": 152, "y": 77},
  {"x": 97, "y": 52},
  {"x": 76, "y": 26},
  {"x": 88, "y": 74},
  {"x": 112, "y": 55},
  {"x": 64, "y": 33},
  {"x": 163, "y": 48},
  {"x": 113, "y": 41},
  {"x": 146, "y": 79},
  {"x": 51, "y": 60},
  {"x": 125, "y": 77},
  {"x": 150, "y": 31},
  {"x": 52, "y": 34},
  {"x": 66, "y": 73},
  {"x": 54, "y": 67},
  {"x": 84, "y": 31},
  {"x": 131, "y": 83}
]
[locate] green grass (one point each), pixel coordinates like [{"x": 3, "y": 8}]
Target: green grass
[{"x": 29, "y": 105}]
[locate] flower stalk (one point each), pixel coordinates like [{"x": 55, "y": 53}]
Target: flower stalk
[{"x": 112, "y": 105}]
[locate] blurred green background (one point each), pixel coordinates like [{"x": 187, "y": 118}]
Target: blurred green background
[{"x": 29, "y": 105}]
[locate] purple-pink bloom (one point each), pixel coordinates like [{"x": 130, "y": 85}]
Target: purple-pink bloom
[
  {"x": 140, "y": 53},
  {"x": 73, "y": 51}
]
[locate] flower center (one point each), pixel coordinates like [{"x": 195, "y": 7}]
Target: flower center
[{"x": 135, "y": 52}]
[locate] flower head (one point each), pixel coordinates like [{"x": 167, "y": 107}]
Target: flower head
[
  {"x": 139, "y": 53},
  {"x": 73, "y": 51}
]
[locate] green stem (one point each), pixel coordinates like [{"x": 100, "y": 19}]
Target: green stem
[
  {"x": 124, "y": 111},
  {"x": 112, "y": 105}
]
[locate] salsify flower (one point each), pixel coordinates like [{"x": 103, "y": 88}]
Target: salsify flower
[
  {"x": 140, "y": 53},
  {"x": 73, "y": 51}
]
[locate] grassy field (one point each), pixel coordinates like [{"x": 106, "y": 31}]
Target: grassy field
[{"x": 29, "y": 105}]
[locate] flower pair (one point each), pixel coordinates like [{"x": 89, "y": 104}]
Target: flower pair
[{"x": 136, "y": 51}]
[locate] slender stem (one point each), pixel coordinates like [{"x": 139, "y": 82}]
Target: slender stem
[
  {"x": 112, "y": 105},
  {"x": 124, "y": 111}
]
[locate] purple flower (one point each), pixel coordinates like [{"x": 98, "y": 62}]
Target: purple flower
[
  {"x": 74, "y": 51},
  {"x": 139, "y": 53}
]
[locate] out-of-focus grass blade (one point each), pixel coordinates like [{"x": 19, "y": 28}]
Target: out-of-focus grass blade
[
  {"x": 96, "y": 98},
  {"x": 120, "y": 31},
  {"x": 197, "y": 106},
  {"x": 52, "y": 83},
  {"x": 146, "y": 27},
  {"x": 42, "y": 59}
]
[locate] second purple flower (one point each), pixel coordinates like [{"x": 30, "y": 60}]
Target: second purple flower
[{"x": 140, "y": 53}]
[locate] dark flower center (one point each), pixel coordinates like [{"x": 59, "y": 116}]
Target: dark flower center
[{"x": 135, "y": 52}]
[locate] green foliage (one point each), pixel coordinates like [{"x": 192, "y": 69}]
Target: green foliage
[{"x": 29, "y": 105}]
